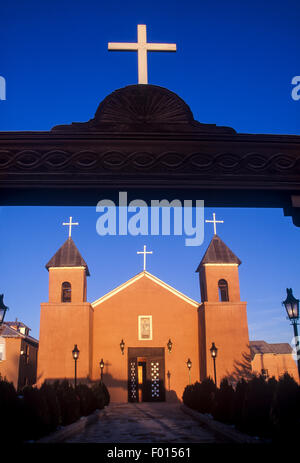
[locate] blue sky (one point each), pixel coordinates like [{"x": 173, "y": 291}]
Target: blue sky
[{"x": 234, "y": 66}]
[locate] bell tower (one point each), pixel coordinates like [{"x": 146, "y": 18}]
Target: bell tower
[
  {"x": 66, "y": 319},
  {"x": 222, "y": 314}
]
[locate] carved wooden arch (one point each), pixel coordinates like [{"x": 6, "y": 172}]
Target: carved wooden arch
[{"x": 144, "y": 140}]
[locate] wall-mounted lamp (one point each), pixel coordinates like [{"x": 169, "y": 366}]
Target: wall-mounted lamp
[
  {"x": 122, "y": 346},
  {"x": 169, "y": 345}
]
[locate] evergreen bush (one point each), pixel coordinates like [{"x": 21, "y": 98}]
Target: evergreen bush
[
  {"x": 105, "y": 393},
  {"x": 200, "y": 396},
  {"x": 50, "y": 394},
  {"x": 256, "y": 419},
  {"x": 223, "y": 404},
  {"x": 238, "y": 406},
  {"x": 11, "y": 411},
  {"x": 36, "y": 418},
  {"x": 98, "y": 392},
  {"x": 87, "y": 398},
  {"x": 285, "y": 410},
  {"x": 69, "y": 402},
  {"x": 35, "y": 412}
]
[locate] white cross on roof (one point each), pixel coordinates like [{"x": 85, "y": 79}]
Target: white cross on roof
[
  {"x": 144, "y": 252},
  {"x": 214, "y": 221},
  {"x": 70, "y": 224}
]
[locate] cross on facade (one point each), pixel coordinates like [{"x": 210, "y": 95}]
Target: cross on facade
[
  {"x": 144, "y": 252},
  {"x": 70, "y": 224},
  {"x": 142, "y": 47},
  {"x": 214, "y": 221}
]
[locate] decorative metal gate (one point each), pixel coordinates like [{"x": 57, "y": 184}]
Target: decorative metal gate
[{"x": 154, "y": 381}]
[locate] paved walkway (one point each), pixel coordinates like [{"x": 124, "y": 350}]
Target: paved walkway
[{"x": 145, "y": 422}]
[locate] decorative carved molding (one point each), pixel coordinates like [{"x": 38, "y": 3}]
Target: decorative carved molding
[
  {"x": 194, "y": 163},
  {"x": 145, "y": 137},
  {"x": 146, "y": 108}
]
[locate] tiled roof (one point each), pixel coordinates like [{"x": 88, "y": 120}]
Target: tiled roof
[
  {"x": 68, "y": 256},
  {"x": 262, "y": 347},
  {"x": 218, "y": 253}
]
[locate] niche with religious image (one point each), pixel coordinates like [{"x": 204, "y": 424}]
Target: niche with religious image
[{"x": 145, "y": 327}]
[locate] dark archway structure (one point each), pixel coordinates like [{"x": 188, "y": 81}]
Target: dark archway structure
[{"x": 144, "y": 140}]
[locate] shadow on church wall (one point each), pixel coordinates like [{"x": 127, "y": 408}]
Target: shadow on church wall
[
  {"x": 172, "y": 397},
  {"x": 242, "y": 369}
]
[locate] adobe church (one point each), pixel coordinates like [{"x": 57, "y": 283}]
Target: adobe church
[
  {"x": 146, "y": 331},
  {"x": 153, "y": 339}
]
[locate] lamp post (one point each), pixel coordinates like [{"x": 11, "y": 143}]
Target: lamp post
[
  {"x": 75, "y": 353},
  {"x": 169, "y": 377},
  {"x": 291, "y": 305},
  {"x": 169, "y": 345},
  {"x": 189, "y": 365},
  {"x": 214, "y": 351},
  {"x": 122, "y": 346},
  {"x": 101, "y": 369},
  {"x": 3, "y": 309}
]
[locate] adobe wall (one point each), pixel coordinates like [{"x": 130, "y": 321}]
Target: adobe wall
[
  {"x": 9, "y": 367},
  {"x": 276, "y": 364},
  {"x": 117, "y": 318},
  {"x": 61, "y": 327},
  {"x": 74, "y": 275},
  {"x": 211, "y": 274},
  {"x": 225, "y": 324}
]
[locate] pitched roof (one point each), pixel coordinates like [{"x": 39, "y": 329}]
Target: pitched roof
[
  {"x": 262, "y": 347},
  {"x": 17, "y": 323},
  {"x": 218, "y": 253},
  {"x": 68, "y": 256},
  {"x": 6, "y": 331},
  {"x": 152, "y": 278}
]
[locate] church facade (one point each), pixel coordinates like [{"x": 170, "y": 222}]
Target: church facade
[{"x": 153, "y": 339}]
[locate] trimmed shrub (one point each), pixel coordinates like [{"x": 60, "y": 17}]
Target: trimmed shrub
[
  {"x": 36, "y": 418},
  {"x": 200, "y": 396},
  {"x": 285, "y": 409},
  {"x": 238, "y": 406},
  {"x": 256, "y": 419},
  {"x": 105, "y": 393},
  {"x": 87, "y": 398},
  {"x": 99, "y": 394},
  {"x": 69, "y": 402},
  {"x": 223, "y": 407},
  {"x": 50, "y": 395},
  {"x": 11, "y": 412}
]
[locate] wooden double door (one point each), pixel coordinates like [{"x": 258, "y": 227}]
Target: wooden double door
[{"x": 146, "y": 374}]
